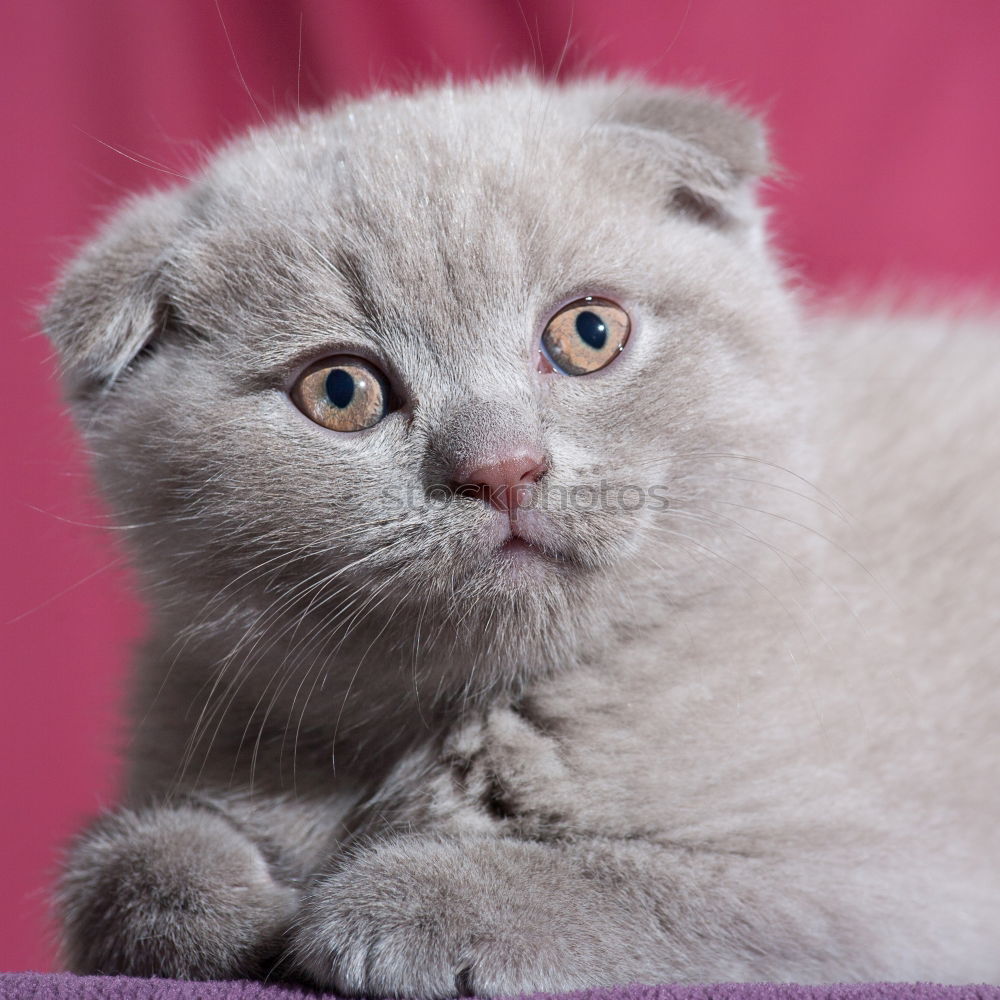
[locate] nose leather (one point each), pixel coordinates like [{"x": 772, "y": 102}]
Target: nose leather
[{"x": 505, "y": 483}]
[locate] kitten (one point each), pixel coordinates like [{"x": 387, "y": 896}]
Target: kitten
[{"x": 539, "y": 600}]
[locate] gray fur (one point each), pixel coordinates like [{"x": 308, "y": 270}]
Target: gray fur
[{"x": 752, "y": 735}]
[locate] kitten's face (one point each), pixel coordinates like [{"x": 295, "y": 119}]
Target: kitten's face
[{"x": 435, "y": 238}]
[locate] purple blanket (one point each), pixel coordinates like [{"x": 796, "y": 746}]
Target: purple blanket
[{"x": 35, "y": 986}]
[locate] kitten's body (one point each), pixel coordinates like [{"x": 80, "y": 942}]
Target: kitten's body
[{"x": 750, "y": 736}]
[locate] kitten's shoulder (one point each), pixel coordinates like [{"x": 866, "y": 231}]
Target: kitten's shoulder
[
  {"x": 908, "y": 416},
  {"x": 910, "y": 377}
]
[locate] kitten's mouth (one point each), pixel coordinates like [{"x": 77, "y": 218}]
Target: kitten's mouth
[
  {"x": 525, "y": 541},
  {"x": 516, "y": 545}
]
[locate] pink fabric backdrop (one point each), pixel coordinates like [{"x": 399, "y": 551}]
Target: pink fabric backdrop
[{"x": 885, "y": 116}]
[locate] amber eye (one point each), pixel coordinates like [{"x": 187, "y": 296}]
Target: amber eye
[
  {"x": 586, "y": 335},
  {"x": 343, "y": 393}
]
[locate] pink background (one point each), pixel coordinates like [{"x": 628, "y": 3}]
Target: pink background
[{"x": 885, "y": 116}]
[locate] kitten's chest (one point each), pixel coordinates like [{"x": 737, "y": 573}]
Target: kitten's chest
[{"x": 654, "y": 751}]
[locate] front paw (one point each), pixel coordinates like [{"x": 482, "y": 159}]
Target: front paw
[
  {"x": 170, "y": 892},
  {"x": 445, "y": 918}
]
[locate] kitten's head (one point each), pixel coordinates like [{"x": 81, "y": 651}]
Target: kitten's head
[{"x": 415, "y": 382}]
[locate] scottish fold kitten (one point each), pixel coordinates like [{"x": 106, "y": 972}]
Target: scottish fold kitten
[{"x": 539, "y": 600}]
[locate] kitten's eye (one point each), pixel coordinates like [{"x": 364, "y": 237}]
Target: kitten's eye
[
  {"x": 343, "y": 393},
  {"x": 586, "y": 335}
]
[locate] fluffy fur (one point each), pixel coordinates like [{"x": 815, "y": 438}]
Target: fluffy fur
[{"x": 748, "y": 733}]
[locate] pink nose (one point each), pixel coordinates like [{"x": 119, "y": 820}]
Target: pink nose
[{"x": 504, "y": 484}]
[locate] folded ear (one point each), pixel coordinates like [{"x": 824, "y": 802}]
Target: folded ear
[
  {"x": 110, "y": 303},
  {"x": 705, "y": 153}
]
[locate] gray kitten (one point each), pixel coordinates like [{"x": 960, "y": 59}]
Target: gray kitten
[{"x": 539, "y": 601}]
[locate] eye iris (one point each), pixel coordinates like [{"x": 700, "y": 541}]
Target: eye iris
[
  {"x": 343, "y": 393},
  {"x": 592, "y": 330},
  {"x": 585, "y": 336},
  {"x": 340, "y": 388}
]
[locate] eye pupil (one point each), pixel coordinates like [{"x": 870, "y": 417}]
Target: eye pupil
[
  {"x": 592, "y": 330},
  {"x": 340, "y": 388}
]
